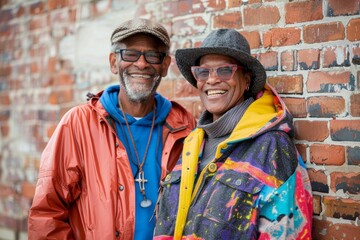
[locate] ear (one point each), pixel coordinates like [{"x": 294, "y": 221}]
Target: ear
[
  {"x": 247, "y": 77},
  {"x": 113, "y": 63},
  {"x": 165, "y": 65}
]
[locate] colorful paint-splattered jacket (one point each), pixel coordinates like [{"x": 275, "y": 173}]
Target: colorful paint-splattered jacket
[{"x": 257, "y": 187}]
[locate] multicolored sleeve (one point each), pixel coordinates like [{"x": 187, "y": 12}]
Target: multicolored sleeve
[{"x": 286, "y": 211}]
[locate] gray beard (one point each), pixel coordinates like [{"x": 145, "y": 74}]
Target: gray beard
[{"x": 139, "y": 93}]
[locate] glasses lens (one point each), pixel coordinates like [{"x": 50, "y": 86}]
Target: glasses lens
[
  {"x": 150, "y": 57},
  {"x": 225, "y": 73},
  {"x": 201, "y": 74},
  {"x": 130, "y": 55},
  {"x": 154, "y": 57}
]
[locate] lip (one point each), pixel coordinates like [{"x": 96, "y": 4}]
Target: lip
[
  {"x": 214, "y": 93},
  {"x": 140, "y": 75}
]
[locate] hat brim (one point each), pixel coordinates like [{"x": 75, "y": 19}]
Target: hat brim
[{"x": 186, "y": 58}]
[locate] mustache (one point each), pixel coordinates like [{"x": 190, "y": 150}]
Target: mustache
[{"x": 154, "y": 74}]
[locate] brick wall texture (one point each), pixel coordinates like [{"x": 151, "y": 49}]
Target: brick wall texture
[{"x": 52, "y": 52}]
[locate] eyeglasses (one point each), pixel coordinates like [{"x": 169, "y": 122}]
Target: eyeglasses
[
  {"x": 151, "y": 57},
  {"x": 224, "y": 73}
]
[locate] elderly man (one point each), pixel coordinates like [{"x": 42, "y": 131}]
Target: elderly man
[{"x": 101, "y": 170}]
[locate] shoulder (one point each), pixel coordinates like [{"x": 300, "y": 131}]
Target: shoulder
[
  {"x": 273, "y": 152},
  {"x": 179, "y": 115}
]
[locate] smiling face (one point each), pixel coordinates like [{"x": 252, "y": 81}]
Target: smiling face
[
  {"x": 139, "y": 79},
  {"x": 220, "y": 96}
]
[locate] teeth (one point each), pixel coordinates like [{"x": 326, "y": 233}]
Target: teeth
[
  {"x": 214, "y": 92},
  {"x": 140, "y": 76}
]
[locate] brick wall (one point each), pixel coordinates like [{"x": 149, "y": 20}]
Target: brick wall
[{"x": 54, "y": 51}]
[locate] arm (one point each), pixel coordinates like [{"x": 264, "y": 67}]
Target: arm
[
  {"x": 57, "y": 186},
  {"x": 286, "y": 211}
]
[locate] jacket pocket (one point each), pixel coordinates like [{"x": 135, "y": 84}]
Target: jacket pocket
[
  {"x": 168, "y": 204},
  {"x": 231, "y": 202}
]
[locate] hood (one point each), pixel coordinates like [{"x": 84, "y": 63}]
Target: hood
[{"x": 267, "y": 113}]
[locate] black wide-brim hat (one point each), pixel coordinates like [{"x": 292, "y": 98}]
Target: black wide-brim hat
[{"x": 228, "y": 42}]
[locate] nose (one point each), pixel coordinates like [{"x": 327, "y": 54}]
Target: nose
[
  {"x": 141, "y": 63},
  {"x": 213, "y": 77}
]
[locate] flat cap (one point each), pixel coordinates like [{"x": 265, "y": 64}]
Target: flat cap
[{"x": 134, "y": 26}]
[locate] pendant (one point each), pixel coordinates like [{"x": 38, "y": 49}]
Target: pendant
[
  {"x": 145, "y": 202},
  {"x": 141, "y": 180}
]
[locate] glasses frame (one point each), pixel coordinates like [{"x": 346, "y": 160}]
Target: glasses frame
[
  {"x": 234, "y": 68},
  {"x": 145, "y": 54}
]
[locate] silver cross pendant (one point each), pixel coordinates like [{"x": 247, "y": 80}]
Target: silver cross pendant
[{"x": 141, "y": 180}]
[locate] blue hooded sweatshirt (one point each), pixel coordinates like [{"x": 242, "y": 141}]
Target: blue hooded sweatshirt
[{"x": 140, "y": 130}]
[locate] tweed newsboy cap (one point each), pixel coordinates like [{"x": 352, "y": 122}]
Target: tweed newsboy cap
[
  {"x": 228, "y": 42},
  {"x": 134, "y": 26}
]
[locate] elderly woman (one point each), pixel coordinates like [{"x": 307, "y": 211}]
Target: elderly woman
[{"x": 240, "y": 175}]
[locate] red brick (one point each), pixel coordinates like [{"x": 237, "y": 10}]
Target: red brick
[
  {"x": 327, "y": 154},
  {"x": 38, "y": 22},
  {"x": 5, "y": 130},
  {"x": 345, "y": 130},
  {"x": 260, "y": 15},
  {"x": 296, "y": 106},
  {"x": 319, "y": 182},
  {"x": 36, "y": 8},
  {"x": 311, "y": 130},
  {"x": 317, "y": 208},
  {"x": 9, "y": 222},
  {"x": 189, "y": 26},
  {"x": 5, "y": 99},
  {"x": 54, "y": 4},
  {"x": 341, "y": 208},
  {"x": 253, "y": 38},
  {"x": 289, "y": 60},
  {"x": 337, "y": 8},
  {"x": 6, "y": 15},
  {"x": 353, "y": 30},
  {"x": 269, "y": 60},
  {"x": 53, "y": 65},
  {"x": 287, "y": 84},
  {"x": 282, "y": 37},
  {"x": 302, "y": 151},
  {"x": 353, "y": 155},
  {"x": 166, "y": 88},
  {"x": 324, "y": 32},
  {"x": 185, "y": 89},
  {"x": 325, "y": 230},
  {"x": 4, "y": 115},
  {"x": 303, "y": 11},
  {"x": 325, "y": 106},
  {"x": 5, "y": 70},
  {"x": 193, "y": 106},
  {"x": 6, "y": 191},
  {"x": 63, "y": 79},
  {"x": 355, "y": 105},
  {"x": 198, "y": 109},
  {"x": 179, "y": 8},
  {"x": 336, "y": 56},
  {"x": 216, "y": 5},
  {"x": 27, "y": 190},
  {"x": 234, "y": 3},
  {"x": 7, "y": 30},
  {"x": 328, "y": 81},
  {"x": 356, "y": 50},
  {"x": 348, "y": 182},
  {"x": 227, "y": 20},
  {"x": 309, "y": 59},
  {"x": 50, "y": 131},
  {"x": 61, "y": 96}
]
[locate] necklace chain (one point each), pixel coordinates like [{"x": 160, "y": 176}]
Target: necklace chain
[
  {"x": 140, "y": 165},
  {"x": 141, "y": 176}
]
